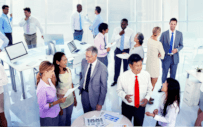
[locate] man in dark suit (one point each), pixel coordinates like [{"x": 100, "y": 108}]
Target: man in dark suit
[
  {"x": 93, "y": 83},
  {"x": 172, "y": 41}
]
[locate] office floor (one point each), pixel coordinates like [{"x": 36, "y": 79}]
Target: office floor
[{"x": 21, "y": 112}]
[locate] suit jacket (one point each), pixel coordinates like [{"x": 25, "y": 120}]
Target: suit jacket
[
  {"x": 178, "y": 44},
  {"x": 98, "y": 83}
]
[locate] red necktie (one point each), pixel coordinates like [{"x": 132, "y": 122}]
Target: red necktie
[{"x": 137, "y": 93}]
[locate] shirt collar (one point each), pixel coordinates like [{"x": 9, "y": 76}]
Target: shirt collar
[
  {"x": 94, "y": 63},
  {"x": 100, "y": 34},
  {"x": 46, "y": 85},
  {"x": 171, "y": 31},
  {"x": 30, "y": 17},
  {"x": 4, "y": 14}
]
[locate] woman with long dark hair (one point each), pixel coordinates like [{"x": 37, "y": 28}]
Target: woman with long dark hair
[
  {"x": 46, "y": 94},
  {"x": 169, "y": 106},
  {"x": 63, "y": 84}
]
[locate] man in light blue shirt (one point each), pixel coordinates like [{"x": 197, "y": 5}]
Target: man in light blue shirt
[
  {"x": 5, "y": 23},
  {"x": 97, "y": 21}
]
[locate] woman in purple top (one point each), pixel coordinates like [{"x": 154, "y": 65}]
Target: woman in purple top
[{"x": 46, "y": 94}]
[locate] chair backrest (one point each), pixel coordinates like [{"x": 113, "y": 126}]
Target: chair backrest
[
  {"x": 51, "y": 48},
  {"x": 77, "y": 60}
]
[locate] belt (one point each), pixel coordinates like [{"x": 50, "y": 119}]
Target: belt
[
  {"x": 30, "y": 34},
  {"x": 78, "y": 30}
]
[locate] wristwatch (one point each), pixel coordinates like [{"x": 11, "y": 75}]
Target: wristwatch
[{"x": 51, "y": 105}]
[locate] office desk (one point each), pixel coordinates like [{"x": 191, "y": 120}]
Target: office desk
[{"x": 38, "y": 57}]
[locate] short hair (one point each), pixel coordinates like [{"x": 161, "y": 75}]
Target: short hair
[
  {"x": 93, "y": 49},
  {"x": 156, "y": 31},
  {"x": 79, "y": 5},
  {"x": 140, "y": 37},
  {"x": 27, "y": 9},
  {"x": 174, "y": 19},
  {"x": 4, "y": 6},
  {"x": 124, "y": 20},
  {"x": 134, "y": 58},
  {"x": 98, "y": 9},
  {"x": 103, "y": 26}
]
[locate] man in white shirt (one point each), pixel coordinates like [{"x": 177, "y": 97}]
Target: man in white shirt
[
  {"x": 124, "y": 39},
  {"x": 30, "y": 24},
  {"x": 135, "y": 89},
  {"x": 77, "y": 23},
  {"x": 4, "y": 43}
]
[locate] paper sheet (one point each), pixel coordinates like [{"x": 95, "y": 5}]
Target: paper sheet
[
  {"x": 111, "y": 117},
  {"x": 110, "y": 44},
  {"x": 96, "y": 121},
  {"x": 123, "y": 56},
  {"x": 70, "y": 91}
]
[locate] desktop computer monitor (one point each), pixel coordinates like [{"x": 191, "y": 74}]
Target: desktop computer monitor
[
  {"x": 57, "y": 38},
  {"x": 16, "y": 52}
]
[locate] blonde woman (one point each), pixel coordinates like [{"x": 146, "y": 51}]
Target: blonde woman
[
  {"x": 154, "y": 52},
  {"x": 46, "y": 93}
]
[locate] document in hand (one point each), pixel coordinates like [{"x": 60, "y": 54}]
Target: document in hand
[
  {"x": 110, "y": 44},
  {"x": 70, "y": 91}
]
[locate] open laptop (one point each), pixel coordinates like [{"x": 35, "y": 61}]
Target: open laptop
[
  {"x": 17, "y": 54},
  {"x": 72, "y": 47}
]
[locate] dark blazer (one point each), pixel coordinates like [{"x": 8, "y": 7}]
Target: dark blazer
[
  {"x": 178, "y": 44},
  {"x": 98, "y": 83}
]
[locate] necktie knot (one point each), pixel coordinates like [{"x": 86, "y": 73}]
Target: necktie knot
[
  {"x": 90, "y": 65},
  {"x": 135, "y": 76},
  {"x": 172, "y": 33}
]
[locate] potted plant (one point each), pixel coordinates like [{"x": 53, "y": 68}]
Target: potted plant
[{"x": 199, "y": 70}]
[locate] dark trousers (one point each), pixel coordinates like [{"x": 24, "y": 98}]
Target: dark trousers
[
  {"x": 104, "y": 60},
  {"x": 65, "y": 119},
  {"x": 118, "y": 63},
  {"x": 86, "y": 102},
  {"x": 130, "y": 111},
  {"x": 157, "y": 124},
  {"x": 78, "y": 35},
  {"x": 167, "y": 64},
  {"x": 49, "y": 121},
  {"x": 9, "y": 36}
]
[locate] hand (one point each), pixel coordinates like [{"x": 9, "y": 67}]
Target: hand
[
  {"x": 60, "y": 95},
  {"x": 108, "y": 49},
  {"x": 42, "y": 37},
  {"x": 62, "y": 100},
  {"x": 127, "y": 97},
  {"x": 144, "y": 102},
  {"x": 174, "y": 51},
  {"x": 98, "y": 107},
  {"x": 75, "y": 102},
  {"x": 159, "y": 55},
  {"x": 122, "y": 32},
  {"x": 155, "y": 112},
  {"x": 149, "y": 114},
  {"x": 61, "y": 112},
  {"x": 124, "y": 53},
  {"x": 11, "y": 15},
  {"x": 26, "y": 18}
]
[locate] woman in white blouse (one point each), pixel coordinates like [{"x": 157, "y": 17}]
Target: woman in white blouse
[
  {"x": 3, "y": 81},
  {"x": 169, "y": 105}
]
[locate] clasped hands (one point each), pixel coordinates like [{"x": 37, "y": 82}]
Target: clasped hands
[{"x": 143, "y": 102}]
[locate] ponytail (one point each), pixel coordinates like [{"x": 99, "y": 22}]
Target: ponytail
[{"x": 38, "y": 78}]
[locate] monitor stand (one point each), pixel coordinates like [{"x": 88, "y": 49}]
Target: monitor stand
[{"x": 17, "y": 63}]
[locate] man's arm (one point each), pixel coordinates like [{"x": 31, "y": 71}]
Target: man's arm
[
  {"x": 181, "y": 43},
  {"x": 95, "y": 23},
  {"x": 149, "y": 87},
  {"x": 115, "y": 36},
  {"x": 1, "y": 25},
  {"x": 120, "y": 90},
  {"x": 5, "y": 41},
  {"x": 22, "y": 22},
  {"x": 103, "y": 90},
  {"x": 39, "y": 26},
  {"x": 72, "y": 23}
]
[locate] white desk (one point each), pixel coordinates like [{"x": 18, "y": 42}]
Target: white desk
[
  {"x": 194, "y": 74},
  {"x": 38, "y": 58},
  {"x": 79, "y": 122}
]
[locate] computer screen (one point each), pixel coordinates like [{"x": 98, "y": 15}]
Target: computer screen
[
  {"x": 71, "y": 46},
  {"x": 16, "y": 50},
  {"x": 58, "y": 38}
]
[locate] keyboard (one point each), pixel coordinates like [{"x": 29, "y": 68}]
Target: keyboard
[{"x": 31, "y": 63}]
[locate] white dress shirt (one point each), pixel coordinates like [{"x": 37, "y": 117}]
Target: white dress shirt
[
  {"x": 128, "y": 38},
  {"x": 3, "y": 79},
  {"x": 5, "y": 41},
  {"x": 170, "y": 118},
  {"x": 126, "y": 85},
  {"x": 92, "y": 70},
  {"x": 34, "y": 23},
  {"x": 174, "y": 36},
  {"x": 75, "y": 21}
]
